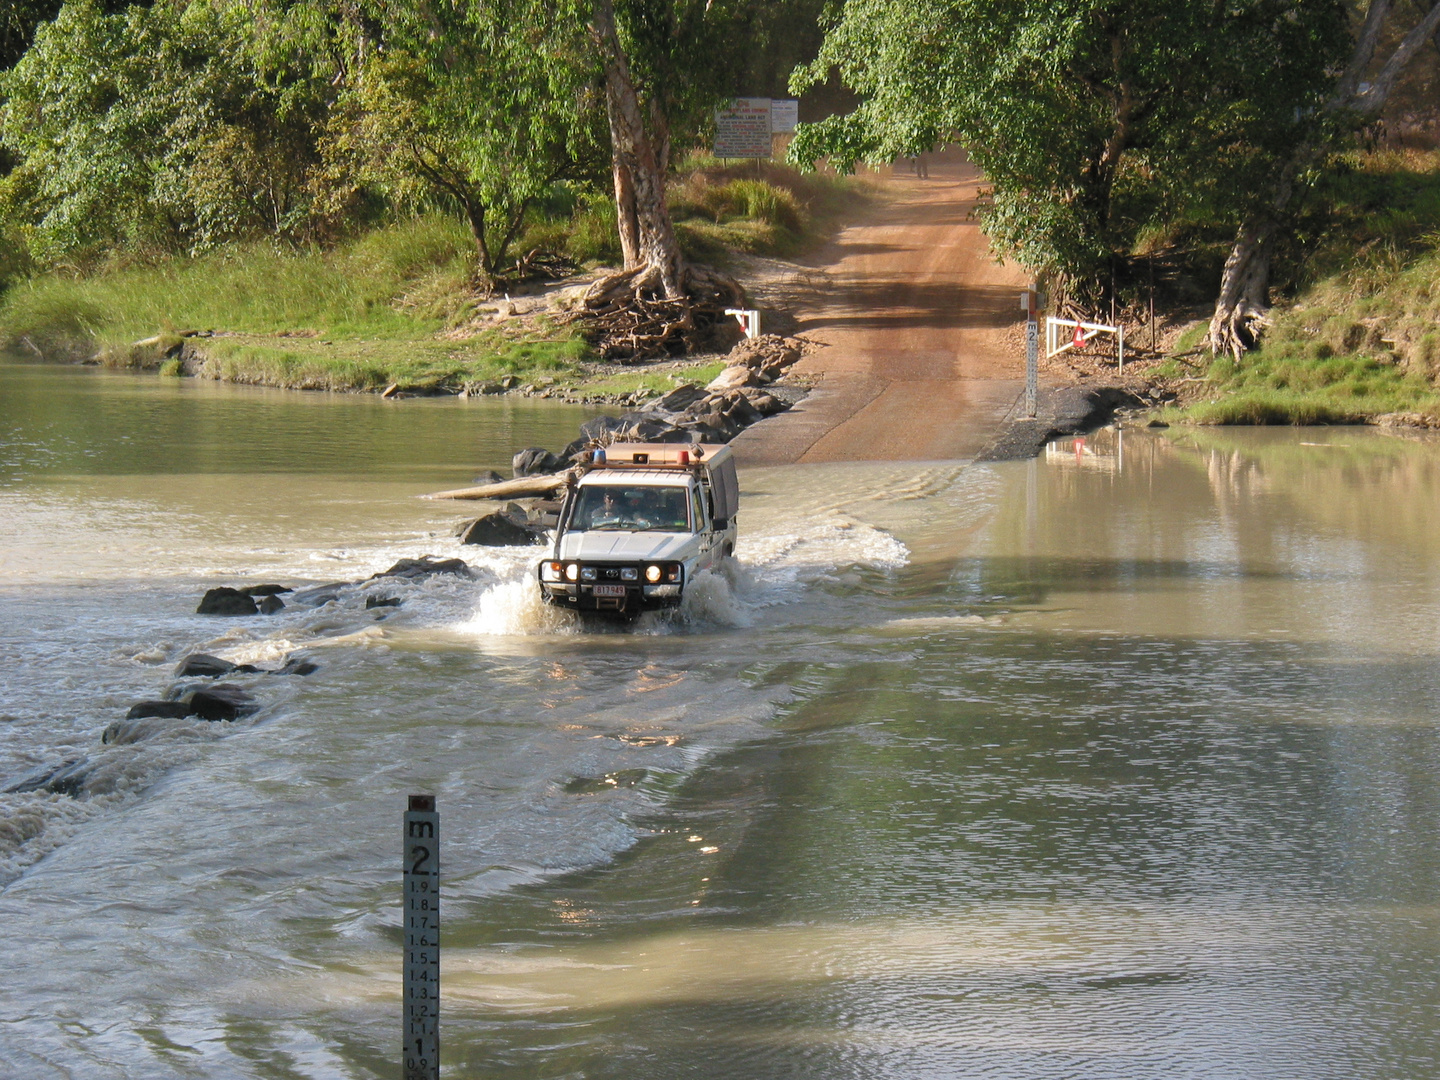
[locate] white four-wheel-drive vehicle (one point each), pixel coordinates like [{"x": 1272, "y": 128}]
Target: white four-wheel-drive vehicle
[{"x": 638, "y": 524}]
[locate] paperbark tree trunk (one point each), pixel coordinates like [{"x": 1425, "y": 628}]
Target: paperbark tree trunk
[
  {"x": 625, "y": 217},
  {"x": 658, "y": 251},
  {"x": 658, "y": 303}
]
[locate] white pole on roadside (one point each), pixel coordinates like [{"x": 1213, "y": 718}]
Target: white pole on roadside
[{"x": 421, "y": 985}]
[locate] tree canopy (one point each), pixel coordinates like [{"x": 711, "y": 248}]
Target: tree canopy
[
  {"x": 488, "y": 104},
  {"x": 1095, "y": 122},
  {"x": 163, "y": 127}
]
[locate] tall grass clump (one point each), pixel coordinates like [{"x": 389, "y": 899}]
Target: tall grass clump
[{"x": 357, "y": 289}]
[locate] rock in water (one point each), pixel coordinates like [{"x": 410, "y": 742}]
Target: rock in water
[
  {"x": 203, "y": 664},
  {"x": 266, "y": 590},
  {"x": 298, "y": 665},
  {"x": 320, "y": 595},
  {"x": 221, "y": 702},
  {"x": 271, "y": 604},
  {"x": 67, "y": 778},
  {"x": 534, "y": 461},
  {"x": 425, "y": 566},
  {"x": 497, "y": 529},
  {"x": 172, "y": 709},
  {"x": 372, "y": 602},
  {"x": 487, "y": 476},
  {"x": 573, "y": 448},
  {"x": 227, "y": 601}
]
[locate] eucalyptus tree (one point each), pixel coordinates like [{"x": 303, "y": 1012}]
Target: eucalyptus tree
[
  {"x": 664, "y": 65},
  {"x": 1094, "y": 121},
  {"x": 487, "y": 103}
]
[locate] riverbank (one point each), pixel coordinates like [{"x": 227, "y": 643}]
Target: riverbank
[
  {"x": 1353, "y": 338},
  {"x": 397, "y": 309}
]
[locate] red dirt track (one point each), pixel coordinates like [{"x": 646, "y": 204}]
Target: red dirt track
[{"x": 912, "y": 317}]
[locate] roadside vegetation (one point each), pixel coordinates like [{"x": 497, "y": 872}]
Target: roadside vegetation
[
  {"x": 359, "y": 194},
  {"x": 364, "y": 178},
  {"x": 1356, "y": 333},
  {"x": 399, "y": 304}
]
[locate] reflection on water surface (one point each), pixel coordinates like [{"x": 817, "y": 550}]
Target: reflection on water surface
[{"x": 1113, "y": 764}]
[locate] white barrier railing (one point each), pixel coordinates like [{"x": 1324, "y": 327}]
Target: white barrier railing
[{"x": 1083, "y": 331}]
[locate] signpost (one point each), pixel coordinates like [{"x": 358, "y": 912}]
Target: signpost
[
  {"x": 784, "y": 115},
  {"x": 421, "y": 986},
  {"x": 742, "y": 129}
]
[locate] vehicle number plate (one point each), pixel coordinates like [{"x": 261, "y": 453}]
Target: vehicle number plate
[{"x": 609, "y": 590}]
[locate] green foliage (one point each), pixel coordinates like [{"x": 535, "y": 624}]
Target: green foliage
[
  {"x": 1094, "y": 123},
  {"x": 484, "y": 105},
  {"x": 163, "y": 128}
]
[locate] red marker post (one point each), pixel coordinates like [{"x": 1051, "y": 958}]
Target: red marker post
[{"x": 421, "y": 985}]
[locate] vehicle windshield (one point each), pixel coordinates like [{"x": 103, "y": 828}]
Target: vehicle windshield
[{"x": 631, "y": 509}]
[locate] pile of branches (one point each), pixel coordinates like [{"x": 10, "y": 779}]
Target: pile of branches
[{"x": 629, "y": 318}]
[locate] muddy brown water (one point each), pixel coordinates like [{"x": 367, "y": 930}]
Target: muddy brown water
[{"x": 1119, "y": 763}]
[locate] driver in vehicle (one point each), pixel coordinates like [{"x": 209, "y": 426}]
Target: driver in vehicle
[{"x": 614, "y": 509}]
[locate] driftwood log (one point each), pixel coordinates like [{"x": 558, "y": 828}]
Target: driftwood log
[{"x": 508, "y": 489}]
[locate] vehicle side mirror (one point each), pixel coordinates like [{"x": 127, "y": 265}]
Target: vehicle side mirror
[{"x": 722, "y": 523}]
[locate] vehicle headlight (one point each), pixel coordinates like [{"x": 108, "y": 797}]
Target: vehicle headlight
[
  {"x": 572, "y": 571},
  {"x": 628, "y": 573},
  {"x": 652, "y": 574},
  {"x": 587, "y": 573},
  {"x": 552, "y": 571}
]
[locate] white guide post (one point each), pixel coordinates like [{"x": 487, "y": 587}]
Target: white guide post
[{"x": 421, "y": 987}]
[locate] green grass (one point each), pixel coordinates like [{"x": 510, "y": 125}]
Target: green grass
[
  {"x": 359, "y": 317},
  {"x": 656, "y": 382},
  {"x": 1274, "y": 386}
]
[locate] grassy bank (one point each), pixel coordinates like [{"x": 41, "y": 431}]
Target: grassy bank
[
  {"x": 397, "y": 305},
  {"x": 1360, "y": 336}
]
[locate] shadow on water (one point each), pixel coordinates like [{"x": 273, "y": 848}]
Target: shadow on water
[{"x": 934, "y": 855}]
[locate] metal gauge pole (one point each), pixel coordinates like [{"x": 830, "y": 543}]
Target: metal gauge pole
[
  {"x": 421, "y": 988},
  {"x": 1032, "y": 352}
]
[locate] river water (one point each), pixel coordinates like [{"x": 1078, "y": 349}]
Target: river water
[{"x": 1119, "y": 763}]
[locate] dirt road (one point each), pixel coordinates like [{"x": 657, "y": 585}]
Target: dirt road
[{"x": 911, "y": 310}]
